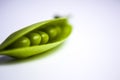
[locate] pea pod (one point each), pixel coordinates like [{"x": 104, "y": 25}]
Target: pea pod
[{"x": 36, "y": 38}]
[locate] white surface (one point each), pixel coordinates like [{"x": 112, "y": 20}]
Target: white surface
[{"x": 92, "y": 52}]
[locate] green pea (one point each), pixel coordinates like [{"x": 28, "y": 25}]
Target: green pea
[
  {"x": 35, "y": 38},
  {"x": 58, "y": 30},
  {"x": 21, "y": 42},
  {"x": 51, "y": 31},
  {"x": 44, "y": 37}
]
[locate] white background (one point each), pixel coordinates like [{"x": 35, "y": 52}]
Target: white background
[{"x": 92, "y": 52}]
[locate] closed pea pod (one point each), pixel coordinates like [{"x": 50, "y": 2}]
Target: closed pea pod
[{"x": 36, "y": 38}]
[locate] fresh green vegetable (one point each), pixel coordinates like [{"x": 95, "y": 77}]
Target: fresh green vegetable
[
  {"x": 44, "y": 37},
  {"x": 36, "y": 38},
  {"x": 21, "y": 42}
]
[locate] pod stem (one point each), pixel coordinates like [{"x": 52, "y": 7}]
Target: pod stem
[{"x": 66, "y": 16}]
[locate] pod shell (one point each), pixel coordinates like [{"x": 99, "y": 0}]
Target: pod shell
[{"x": 32, "y": 50}]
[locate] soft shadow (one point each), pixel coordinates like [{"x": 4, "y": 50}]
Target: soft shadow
[{"x": 6, "y": 60}]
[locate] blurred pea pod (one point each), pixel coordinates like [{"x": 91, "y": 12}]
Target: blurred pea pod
[{"x": 36, "y": 38}]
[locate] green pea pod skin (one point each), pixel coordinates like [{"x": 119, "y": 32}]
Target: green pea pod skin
[{"x": 25, "y": 52}]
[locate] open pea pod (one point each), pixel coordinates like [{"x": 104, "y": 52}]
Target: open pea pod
[{"x": 36, "y": 38}]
